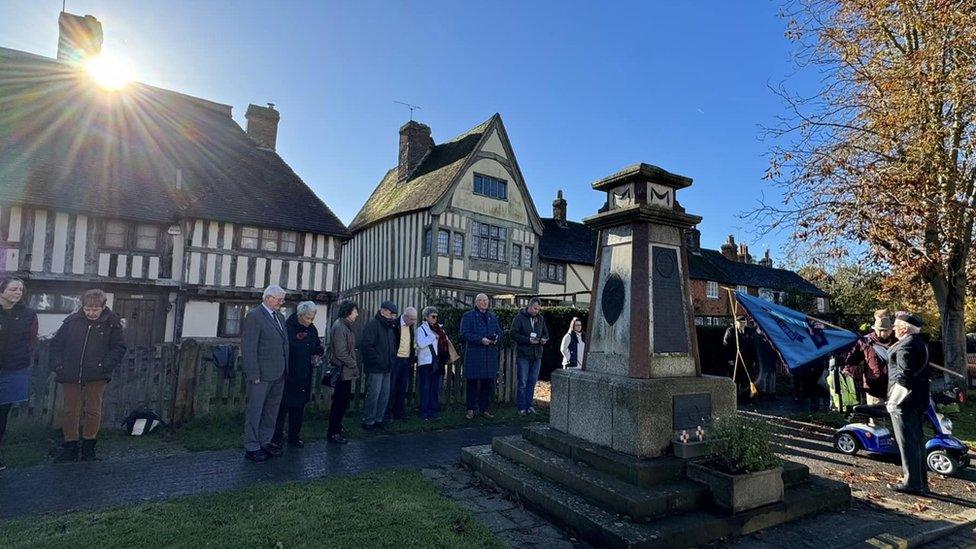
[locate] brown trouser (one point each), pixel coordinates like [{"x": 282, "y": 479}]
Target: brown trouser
[{"x": 75, "y": 394}]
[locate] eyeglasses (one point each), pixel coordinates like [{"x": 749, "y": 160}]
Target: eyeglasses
[{"x": 432, "y": 316}]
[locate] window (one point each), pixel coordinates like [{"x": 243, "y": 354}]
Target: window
[
  {"x": 269, "y": 240},
  {"x": 457, "y": 244},
  {"x": 249, "y": 238},
  {"x": 711, "y": 290},
  {"x": 289, "y": 242},
  {"x": 115, "y": 233},
  {"x": 516, "y": 255},
  {"x": 527, "y": 257},
  {"x": 742, "y": 289},
  {"x": 490, "y": 187},
  {"x": 766, "y": 294},
  {"x": 54, "y": 303},
  {"x": 147, "y": 237},
  {"x": 821, "y": 305},
  {"x": 232, "y": 317},
  {"x": 443, "y": 241},
  {"x": 427, "y": 241},
  {"x": 552, "y": 272},
  {"x": 488, "y": 241}
]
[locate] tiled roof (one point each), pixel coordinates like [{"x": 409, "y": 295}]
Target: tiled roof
[
  {"x": 570, "y": 242},
  {"x": 712, "y": 265},
  {"x": 430, "y": 180},
  {"x": 65, "y": 143}
]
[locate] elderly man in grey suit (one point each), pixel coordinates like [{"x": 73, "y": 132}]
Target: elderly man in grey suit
[{"x": 264, "y": 346}]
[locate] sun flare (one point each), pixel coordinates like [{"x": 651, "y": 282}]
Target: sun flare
[{"x": 108, "y": 72}]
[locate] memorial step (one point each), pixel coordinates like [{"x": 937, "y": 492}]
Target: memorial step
[
  {"x": 639, "y": 472},
  {"x": 607, "y": 529},
  {"x": 606, "y": 490}
]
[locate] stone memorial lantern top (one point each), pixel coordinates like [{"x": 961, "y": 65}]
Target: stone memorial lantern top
[{"x": 643, "y": 318}]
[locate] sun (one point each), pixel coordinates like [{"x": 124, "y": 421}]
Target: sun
[{"x": 108, "y": 72}]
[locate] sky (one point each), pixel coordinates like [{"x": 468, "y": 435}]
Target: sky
[{"x": 583, "y": 88}]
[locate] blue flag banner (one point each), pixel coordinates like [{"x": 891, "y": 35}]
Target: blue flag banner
[{"x": 799, "y": 339}]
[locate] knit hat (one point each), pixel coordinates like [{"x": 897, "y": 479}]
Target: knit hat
[
  {"x": 389, "y": 306},
  {"x": 909, "y": 319}
]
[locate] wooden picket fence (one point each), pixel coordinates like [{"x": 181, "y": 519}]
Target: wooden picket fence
[{"x": 180, "y": 382}]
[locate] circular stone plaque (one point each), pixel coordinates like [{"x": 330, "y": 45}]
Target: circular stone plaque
[
  {"x": 612, "y": 298},
  {"x": 664, "y": 264}
]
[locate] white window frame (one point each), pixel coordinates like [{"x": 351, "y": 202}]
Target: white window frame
[
  {"x": 821, "y": 305},
  {"x": 711, "y": 289}
]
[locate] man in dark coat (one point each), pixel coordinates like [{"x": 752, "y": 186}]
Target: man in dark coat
[
  {"x": 264, "y": 347},
  {"x": 305, "y": 351},
  {"x": 84, "y": 351},
  {"x": 481, "y": 331},
  {"x": 908, "y": 397},
  {"x": 378, "y": 346},
  {"x": 530, "y": 334}
]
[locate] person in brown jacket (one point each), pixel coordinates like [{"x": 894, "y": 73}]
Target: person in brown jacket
[
  {"x": 342, "y": 352},
  {"x": 867, "y": 362}
]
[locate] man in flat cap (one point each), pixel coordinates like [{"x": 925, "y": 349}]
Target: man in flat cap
[
  {"x": 378, "y": 346},
  {"x": 908, "y": 397}
]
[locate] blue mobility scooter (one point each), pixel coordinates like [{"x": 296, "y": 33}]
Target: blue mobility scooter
[{"x": 945, "y": 454}]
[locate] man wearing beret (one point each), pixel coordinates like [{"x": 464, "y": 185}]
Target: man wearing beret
[{"x": 908, "y": 397}]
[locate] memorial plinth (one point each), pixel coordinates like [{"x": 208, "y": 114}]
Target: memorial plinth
[{"x": 640, "y": 380}]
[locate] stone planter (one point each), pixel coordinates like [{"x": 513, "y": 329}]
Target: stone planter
[
  {"x": 738, "y": 493},
  {"x": 695, "y": 449}
]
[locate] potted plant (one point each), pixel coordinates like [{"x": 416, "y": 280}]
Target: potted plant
[{"x": 748, "y": 474}]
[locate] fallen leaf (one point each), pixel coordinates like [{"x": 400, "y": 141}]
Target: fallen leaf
[{"x": 919, "y": 506}]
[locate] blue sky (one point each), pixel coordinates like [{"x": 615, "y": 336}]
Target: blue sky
[{"x": 584, "y": 88}]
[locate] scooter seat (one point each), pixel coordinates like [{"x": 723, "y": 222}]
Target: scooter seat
[{"x": 870, "y": 410}]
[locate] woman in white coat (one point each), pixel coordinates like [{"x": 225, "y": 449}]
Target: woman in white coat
[{"x": 572, "y": 345}]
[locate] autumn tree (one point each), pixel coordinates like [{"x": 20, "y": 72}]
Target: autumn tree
[{"x": 881, "y": 159}]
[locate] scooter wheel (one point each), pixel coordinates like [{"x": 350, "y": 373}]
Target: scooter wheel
[
  {"x": 846, "y": 443},
  {"x": 939, "y": 461}
]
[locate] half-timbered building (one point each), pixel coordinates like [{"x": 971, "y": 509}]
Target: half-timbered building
[
  {"x": 450, "y": 220},
  {"x": 567, "y": 252},
  {"x": 159, "y": 198}
]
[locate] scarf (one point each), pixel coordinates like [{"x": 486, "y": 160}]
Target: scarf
[{"x": 442, "y": 351}]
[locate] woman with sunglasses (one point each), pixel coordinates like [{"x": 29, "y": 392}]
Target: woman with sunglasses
[{"x": 432, "y": 354}]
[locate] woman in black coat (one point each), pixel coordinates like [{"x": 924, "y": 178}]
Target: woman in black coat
[
  {"x": 305, "y": 351},
  {"x": 18, "y": 335}
]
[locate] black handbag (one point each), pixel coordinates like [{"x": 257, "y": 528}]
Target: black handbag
[{"x": 332, "y": 376}]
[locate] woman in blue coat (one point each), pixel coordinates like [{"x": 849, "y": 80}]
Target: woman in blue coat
[{"x": 481, "y": 331}]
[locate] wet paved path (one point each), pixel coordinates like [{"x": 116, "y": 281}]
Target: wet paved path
[{"x": 95, "y": 485}]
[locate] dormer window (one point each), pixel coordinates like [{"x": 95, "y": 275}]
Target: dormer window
[{"x": 490, "y": 187}]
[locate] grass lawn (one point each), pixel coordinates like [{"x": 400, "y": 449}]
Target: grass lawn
[
  {"x": 32, "y": 446},
  {"x": 388, "y": 509}
]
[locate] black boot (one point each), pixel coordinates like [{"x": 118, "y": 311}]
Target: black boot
[
  {"x": 88, "y": 449},
  {"x": 69, "y": 452}
]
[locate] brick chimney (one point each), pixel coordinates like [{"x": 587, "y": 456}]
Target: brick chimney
[
  {"x": 693, "y": 240},
  {"x": 415, "y": 143},
  {"x": 766, "y": 261},
  {"x": 78, "y": 37},
  {"x": 729, "y": 249},
  {"x": 744, "y": 256},
  {"x": 559, "y": 208},
  {"x": 262, "y": 125}
]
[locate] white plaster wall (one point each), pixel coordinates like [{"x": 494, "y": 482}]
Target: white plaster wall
[
  {"x": 322, "y": 320},
  {"x": 200, "y": 319},
  {"x": 494, "y": 144},
  {"x": 48, "y": 323},
  {"x": 512, "y": 209}
]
